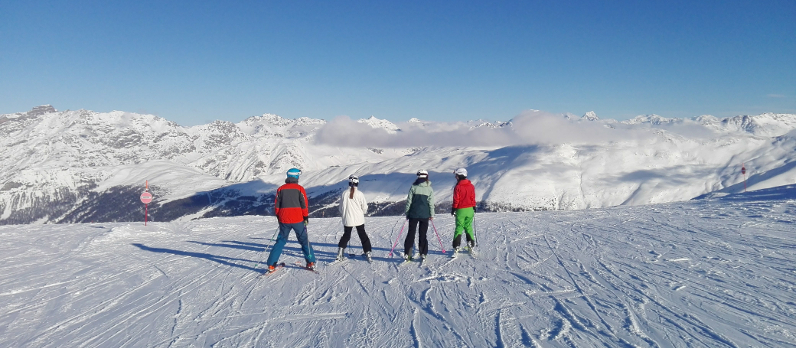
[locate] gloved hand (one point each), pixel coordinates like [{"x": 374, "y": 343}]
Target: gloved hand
[
  {"x": 306, "y": 220},
  {"x": 453, "y": 211}
]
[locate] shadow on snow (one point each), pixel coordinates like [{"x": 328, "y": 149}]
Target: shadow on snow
[{"x": 292, "y": 247}]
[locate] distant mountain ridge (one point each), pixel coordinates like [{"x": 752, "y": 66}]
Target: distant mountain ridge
[
  {"x": 74, "y": 166},
  {"x": 767, "y": 124}
]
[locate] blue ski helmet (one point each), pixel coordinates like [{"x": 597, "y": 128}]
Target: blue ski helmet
[{"x": 294, "y": 173}]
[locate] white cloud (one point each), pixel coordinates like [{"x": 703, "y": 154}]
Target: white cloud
[{"x": 528, "y": 128}]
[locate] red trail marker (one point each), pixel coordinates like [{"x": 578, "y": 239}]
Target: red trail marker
[
  {"x": 146, "y": 198},
  {"x": 743, "y": 171}
]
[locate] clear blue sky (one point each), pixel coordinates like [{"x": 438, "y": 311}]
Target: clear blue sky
[{"x": 196, "y": 61}]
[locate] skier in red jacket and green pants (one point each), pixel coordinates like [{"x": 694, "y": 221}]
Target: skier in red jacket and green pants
[{"x": 464, "y": 209}]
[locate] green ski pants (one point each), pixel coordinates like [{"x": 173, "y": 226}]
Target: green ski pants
[{"x": 464, "y": 223}]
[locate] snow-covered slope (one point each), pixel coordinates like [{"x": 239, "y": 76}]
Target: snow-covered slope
[
  {"x": 707, "y": 273},
  {"x": 73, "y": 166}
]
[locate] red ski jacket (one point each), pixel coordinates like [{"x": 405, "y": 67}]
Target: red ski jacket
[
  {"x": 464, "y": 195},
  {"x": 291, "y": 205}
]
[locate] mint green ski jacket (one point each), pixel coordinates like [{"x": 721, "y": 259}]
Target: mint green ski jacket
[{"x": 420, "y": 201}]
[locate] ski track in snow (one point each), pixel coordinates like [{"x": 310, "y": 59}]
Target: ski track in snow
[{"x": 708, "y": 273}]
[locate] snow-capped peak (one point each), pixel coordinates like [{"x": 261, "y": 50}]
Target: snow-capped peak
[
  {"x": 652, "y": 119},
  {"x": 767, "y": 124},
  {"x": 41, "y": 110},
  {"x": 270, "y": 119},
  {"x": 380, "y": 124},
  {"x": 36, "y": 111},
  {"x": 590, "y": 116}
]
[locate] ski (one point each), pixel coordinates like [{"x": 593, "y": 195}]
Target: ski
[
  {"x": 470, "y": 251},
  {"x": 350, "y": 257},
  {"x": 336, "y": 262},
  {"x": 423, "y": 261},
  {"x": 278, "y": 266},
  {"x": 418, "y": 260},
  {"x": 307, "y": 268}
]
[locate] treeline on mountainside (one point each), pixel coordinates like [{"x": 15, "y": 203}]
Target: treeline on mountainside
[
  {"x": 122, "y": 204},
  {"x": 44, "y": 208}
]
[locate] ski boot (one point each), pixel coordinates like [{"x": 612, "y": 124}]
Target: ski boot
[
  {"x": 311, "y": 266},
  {"x": 455, "y": 252},
  {"x": 367, "y": 257},
  {"x": 340, "y": 254}
]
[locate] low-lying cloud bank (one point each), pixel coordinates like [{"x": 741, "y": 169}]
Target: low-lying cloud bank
[{"x": 529, "y": 128}]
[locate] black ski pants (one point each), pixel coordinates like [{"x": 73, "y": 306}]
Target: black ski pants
[
  {"x": 409, "y": 243},
  {"x": 363, "y": 237},
  {"x": 458, "y": 240}
]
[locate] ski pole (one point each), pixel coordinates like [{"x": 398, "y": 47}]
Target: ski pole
[
  {"x": 475, "y": 232},
  {"x": 399, "y": 237},
  {"x": 273, "y": 238},
  {"x": 438, "y": 238},
  {"x": 335, "y": 234},
  {"x": 392, "y": 231},
  {"x": 350, "y": 239},
  {"x": 267, "y": 246},
  {"x": 310, "y": 252}
]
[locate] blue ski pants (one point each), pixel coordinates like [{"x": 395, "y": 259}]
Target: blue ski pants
[{"x": 301, "y": 235}]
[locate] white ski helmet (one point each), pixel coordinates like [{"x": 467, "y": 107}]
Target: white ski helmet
[
  {"x": 422, "y": 173},
  {"x": 353, "y": 180},
  {"x": 461, "y": 172}
]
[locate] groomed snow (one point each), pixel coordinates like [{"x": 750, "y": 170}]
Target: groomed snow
[{"x": 709, "y": 273}]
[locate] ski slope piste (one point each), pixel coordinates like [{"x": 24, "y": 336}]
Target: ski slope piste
[{"x": 713, "y": 272}]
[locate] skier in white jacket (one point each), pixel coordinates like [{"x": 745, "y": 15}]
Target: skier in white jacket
[{"x": 353, "y": 207}]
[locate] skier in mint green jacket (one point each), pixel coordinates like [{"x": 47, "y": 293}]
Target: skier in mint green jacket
[
  {"x": 464, "y": 209},
  {"x": 419, "y": 210}
]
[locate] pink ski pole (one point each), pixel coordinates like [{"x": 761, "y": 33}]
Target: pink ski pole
[
  {"x": 399, "y": 237},
  {"x": 438, "y": 238}
]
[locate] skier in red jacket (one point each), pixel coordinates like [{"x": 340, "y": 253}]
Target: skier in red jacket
[
  {"x": 464, "y": 209},
  {"x": 292, "y": 211}
]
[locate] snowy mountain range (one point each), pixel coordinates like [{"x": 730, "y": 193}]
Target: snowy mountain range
[{"x": 81, "y": 166}]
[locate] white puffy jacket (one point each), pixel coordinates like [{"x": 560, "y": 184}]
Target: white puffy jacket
[{"x": 353, "y": 210}]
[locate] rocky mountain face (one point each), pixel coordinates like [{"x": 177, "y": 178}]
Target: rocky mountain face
[
  {"x": 71, "y": 166},
  {"x": 79, "y": 166}
]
